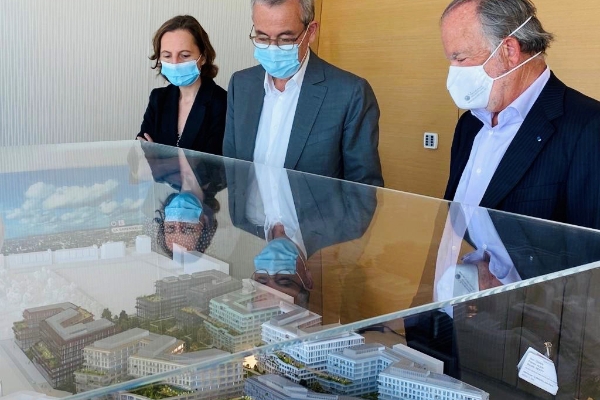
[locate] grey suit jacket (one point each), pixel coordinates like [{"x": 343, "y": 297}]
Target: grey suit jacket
[
  {"x": 335, "y": 132},
  {"x": 329, "y": 211}
]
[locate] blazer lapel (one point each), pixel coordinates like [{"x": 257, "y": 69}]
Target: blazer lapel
[
  {"x": 249, "y": 114},
  {"x": 193, "y": 124},
  {"x": 530, "y": 139},
  {"x": 462, "y": 156},
  {"x": 309, "y": 103}
]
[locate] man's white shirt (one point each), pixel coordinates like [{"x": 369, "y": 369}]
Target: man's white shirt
[{"x": 270, "y": 199}]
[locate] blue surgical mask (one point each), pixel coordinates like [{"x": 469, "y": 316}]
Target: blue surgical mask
[
  {"x": 278, "y": 255},
  {"x": 181, "y": 74},
  {"x": 278, "y": 63},
  {"x": 185, "y": 207}
]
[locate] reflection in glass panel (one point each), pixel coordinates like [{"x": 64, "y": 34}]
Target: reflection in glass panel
[{"x": 143, "y": 270}]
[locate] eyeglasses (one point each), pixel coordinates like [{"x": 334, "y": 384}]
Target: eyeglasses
[
  {"x": 284, "y": 278},
  {"x": 284, "y": 43}
]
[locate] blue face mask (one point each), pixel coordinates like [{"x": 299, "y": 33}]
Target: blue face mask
[
  {"x": 278, "y": 63},
  {"x": 182, "y": 74},
  {"x": 278, "y": 255},
  {"x": 185, "y": 207}
]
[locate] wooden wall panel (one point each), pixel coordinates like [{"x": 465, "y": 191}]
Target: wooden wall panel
[
  {"x": 575, "y": 54},
  {"x": 396, "y": 45},
  {"x": 381, "y": 272},
  {"x": 315, "y": 45}
]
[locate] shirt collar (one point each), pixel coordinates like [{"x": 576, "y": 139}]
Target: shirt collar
[
  {"x": 518, "y": 109},
  {"x": 296, "y": 79}
]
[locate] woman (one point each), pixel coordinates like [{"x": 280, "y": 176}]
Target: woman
[
  {"x": 186, "y": 221},
  {"x": 190, "y": 112},
  {"x": 187, "y": 218}
]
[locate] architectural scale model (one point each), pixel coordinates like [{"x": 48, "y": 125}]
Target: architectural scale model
[
  {"x": 224, "y": 381},
  {"x": 36, "y": 279},
  {"x": 345, "y": 365},
  {"x": 138, "y": 353},
  {"x": 400, "y": 381},
  {"x": 275, "y": 387},
  {"x": 60, "y": 339},
  {"x": 205, "y": 316},
  {"x": 106, "y": 361},
  {"x": 235, "y": 319},
  {"x": 27, "y": 331},
  {"x": 307, "y": 360},
  {"x": 192, "y": 292}
]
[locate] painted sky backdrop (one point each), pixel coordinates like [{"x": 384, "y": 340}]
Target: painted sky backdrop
[{"x": 55, "y": 201}]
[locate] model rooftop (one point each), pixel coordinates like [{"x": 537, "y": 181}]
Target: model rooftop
[
  {"x": 63, "y": 306},
  {"x": 121, "y": 339},
  {"x": 157, "y": 345},
  {"x": 79, "y": 329}
]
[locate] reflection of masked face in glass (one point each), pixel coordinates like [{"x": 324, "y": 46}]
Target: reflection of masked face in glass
[
  {"x": 281, "y": 266},
  {"x": 279, "y": 254},
  {"x": 183, "y": 221}
]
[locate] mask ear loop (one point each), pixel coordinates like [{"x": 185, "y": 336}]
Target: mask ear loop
[
  {"x": 518, "y": 66},
  {"x": 302, "y": 41},
  {"x": 510, "y": 34},
  {"x": 303, "y": 261}
]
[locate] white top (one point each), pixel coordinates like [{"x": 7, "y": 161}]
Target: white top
[
  {"x": 276, "y": 119},
  {"x": 270, "y": 202}
]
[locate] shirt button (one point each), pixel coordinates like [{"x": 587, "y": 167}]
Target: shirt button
[{"x": 478, "y": 171}]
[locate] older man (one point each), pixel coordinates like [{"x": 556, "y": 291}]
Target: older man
[
  {"x": 295, "y": 110},
  {"x": 529, "y": 144}
]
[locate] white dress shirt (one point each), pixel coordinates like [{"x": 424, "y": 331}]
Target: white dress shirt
[
  {"x": 270, "y": 199},
  {"x": 276, "y": 119}
]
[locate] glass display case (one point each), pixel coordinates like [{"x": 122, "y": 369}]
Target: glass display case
[{"x": 133, "y": 270}]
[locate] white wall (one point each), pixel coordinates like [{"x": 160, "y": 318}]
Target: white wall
[{"x": 78, "y": 70}]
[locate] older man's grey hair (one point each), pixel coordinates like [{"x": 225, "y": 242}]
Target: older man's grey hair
[
  {"x": 500, "y": 18},
  {"x": 307, "y": 7}
]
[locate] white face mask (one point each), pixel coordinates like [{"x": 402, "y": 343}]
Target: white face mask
[{"x": 471, "y": 87}]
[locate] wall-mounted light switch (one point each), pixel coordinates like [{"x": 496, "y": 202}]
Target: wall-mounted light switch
[{"x": 430, "y": 140}]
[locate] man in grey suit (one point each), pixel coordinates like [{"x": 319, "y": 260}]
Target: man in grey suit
[{"x": 297, "y": 111}]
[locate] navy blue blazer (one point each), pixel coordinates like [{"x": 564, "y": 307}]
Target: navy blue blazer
[
  {"x": 205, "y": 126},
  {"x": 551, "y": 170},
  {"x": 335, "y": 132}
]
